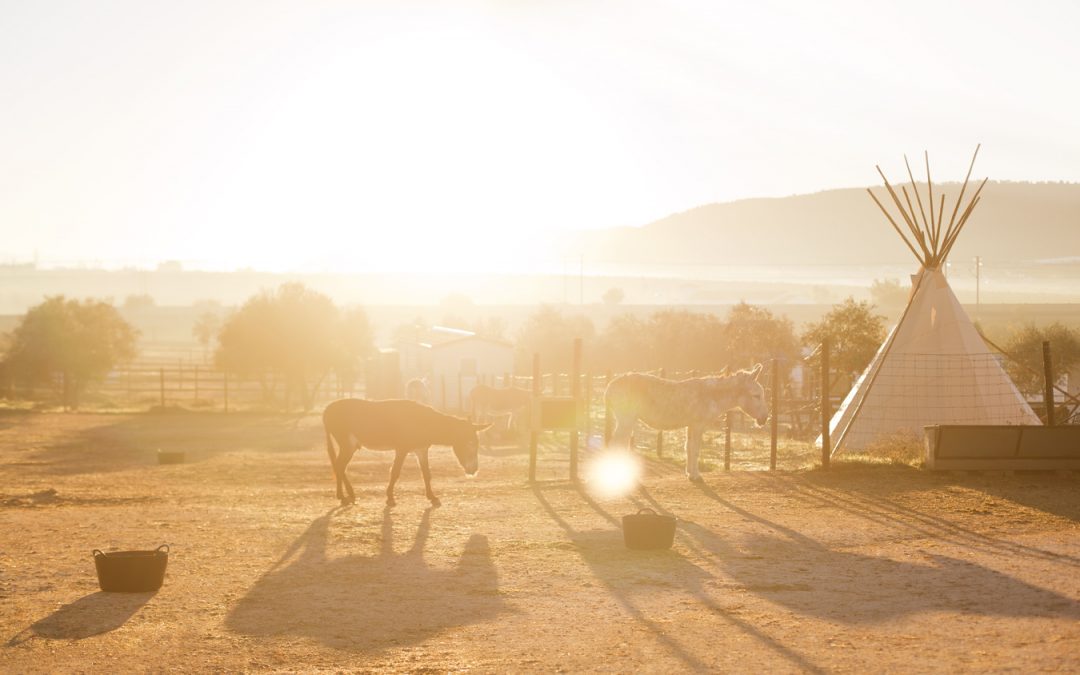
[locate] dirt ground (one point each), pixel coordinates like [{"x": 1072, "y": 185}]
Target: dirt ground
[{"x": 861, "y": 568}]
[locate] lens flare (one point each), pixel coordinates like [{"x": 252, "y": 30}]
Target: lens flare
[{"x": 614, "y": 473}]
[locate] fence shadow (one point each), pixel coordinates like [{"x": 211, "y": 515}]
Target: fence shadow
[
  {"x": 367, "y": 603},
  {"x": 631, "y": 576},
  {"x": 90, "y": 615},
  {"x": 847, "y": 587},
  {"x": 1050, "y": 494}
]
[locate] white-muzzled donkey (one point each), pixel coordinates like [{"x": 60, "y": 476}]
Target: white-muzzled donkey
[{"x": 673, "y": 404}]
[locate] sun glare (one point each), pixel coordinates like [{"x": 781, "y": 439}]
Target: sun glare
[{"x": 613, "y": 473}]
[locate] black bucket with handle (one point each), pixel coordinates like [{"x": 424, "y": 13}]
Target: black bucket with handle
[
  {"x": 131, "y": 571},
  {"x": 648, "y": 530}
]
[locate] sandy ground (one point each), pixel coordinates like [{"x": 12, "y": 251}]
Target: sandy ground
[{"x": 861, "y": 568}]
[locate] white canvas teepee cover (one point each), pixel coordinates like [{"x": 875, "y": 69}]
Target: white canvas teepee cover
[{"x": 933, "y": 368}]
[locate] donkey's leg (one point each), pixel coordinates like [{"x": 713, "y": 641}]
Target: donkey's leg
[
  {"x": 425, "y": 470},
  {"x": 333, "y": 462},
  {"x": 622, "y": 436},
  {"x": 346, "y": 449},
  {"x": 693, "y": 449},
  {"x": 395, "y": 471}
]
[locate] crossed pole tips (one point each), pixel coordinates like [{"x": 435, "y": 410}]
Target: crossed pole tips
[{"x": 925, "y": 238}]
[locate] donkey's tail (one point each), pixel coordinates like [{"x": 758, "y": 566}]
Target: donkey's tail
[{"x": 330, "y": 451}]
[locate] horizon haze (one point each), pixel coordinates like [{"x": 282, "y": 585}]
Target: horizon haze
[{"x": 408, "y": 136}]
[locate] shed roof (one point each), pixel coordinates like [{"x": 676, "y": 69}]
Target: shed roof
[{"x": 465, "y": 338}]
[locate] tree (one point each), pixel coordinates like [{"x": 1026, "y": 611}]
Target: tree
[
  {"x": 551, "y": 334},
  {"x": 854, "y": 333},
  {"x": 613, "y": 296},
  {"x": 69, "y": 343},
  {"x": 1024, "y": 347},
  {"x": 679, "y": 340},
  {"x": 624, "y": 345},
  {"x": 889, "y": 295},
  {"x": 752, "y": 335},
  {"x": 205, "y": 329},
  {"x": 675, "y": 340},
  {"x": 359, "y": 344},
  {"x": 295, "y": 335}
]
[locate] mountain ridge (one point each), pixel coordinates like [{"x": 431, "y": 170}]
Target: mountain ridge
[{"x": 1013, "y": 221}]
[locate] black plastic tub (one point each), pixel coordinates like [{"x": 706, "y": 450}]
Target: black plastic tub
[
  {"x": 131, "y": 571},
  {"x": 648, "y": 530}
]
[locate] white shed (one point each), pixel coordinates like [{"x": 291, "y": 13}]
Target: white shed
[{"x": 453, "y": 359}]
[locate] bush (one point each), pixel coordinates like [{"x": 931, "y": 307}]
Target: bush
[
  {"x": 68, "y": 344},
  {"x": 293, "y": 335}
]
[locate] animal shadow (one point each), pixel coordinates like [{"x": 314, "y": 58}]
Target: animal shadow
[
  {"x": 90, "y": 615},
  {"x": 367, "y": 603}
]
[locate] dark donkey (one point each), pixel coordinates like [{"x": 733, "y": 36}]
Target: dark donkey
[{"x": 399, "y": 425}]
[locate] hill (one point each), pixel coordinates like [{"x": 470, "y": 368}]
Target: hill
[{"x": 1017, "y": 222}]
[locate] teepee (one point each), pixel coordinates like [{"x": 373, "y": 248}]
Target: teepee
[{"x": 934, "y": 367}]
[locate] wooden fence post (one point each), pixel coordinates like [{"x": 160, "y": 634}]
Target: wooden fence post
[
  {"x": 1048, "y": 383},
  {"x": 773, "y": 426},
  {"x": 660, "y": 435},
  {"x": 826, "y": 414},
  {"x": 727, "y": 442},
  {"x": 534, "y": 424},
  {"x": 608, "y": 422},
  {"x": 588, "y": 406},
  {"x": 575, "y": 393}
]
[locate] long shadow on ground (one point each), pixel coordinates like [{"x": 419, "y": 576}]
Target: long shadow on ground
[
  {"x": 90, "y": 615},
  {"x": 368, "y": 603},
  {"x": 1050, "y": 495},
  {"x": 801, "y": 573},
  {"x": 633, "y": 577}
]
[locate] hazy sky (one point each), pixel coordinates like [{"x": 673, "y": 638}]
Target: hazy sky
[{"x": 295, "y": 135}]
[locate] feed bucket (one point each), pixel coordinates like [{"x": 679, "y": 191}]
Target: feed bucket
[
  {"x": 131, "y": 571},
  {"x": 648, "y": 530}
]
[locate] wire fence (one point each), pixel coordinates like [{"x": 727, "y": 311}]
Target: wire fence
[{"x": 910, "y": 390}]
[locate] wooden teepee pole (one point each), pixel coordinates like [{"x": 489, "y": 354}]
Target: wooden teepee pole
[
  {"x": 952, "y": 220},
  {"x": 919, "y": 235},
  {"x": 907, "y": 218},
  {"x": 940, "y": 214},
  {"x": 967, "y": 214},
  {"x": 914, "y": 188},
  {"x": 963, "y": 221},
  {"x": 930, "y": 188},
  {"x": 893, "y": 223}
]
